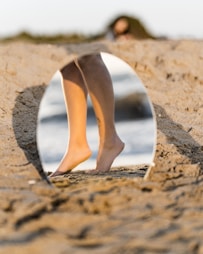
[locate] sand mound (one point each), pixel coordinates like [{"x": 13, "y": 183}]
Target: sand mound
[
  {"x": 109, "y": 208},
  {"x": 170, "y": 70}
]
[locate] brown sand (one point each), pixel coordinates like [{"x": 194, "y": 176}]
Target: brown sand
[{"x": 121, "y": 211}]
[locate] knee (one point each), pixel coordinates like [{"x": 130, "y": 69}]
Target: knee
[
  {"x": 89, "y": 61},
  {"x": 68, "y": 70}
]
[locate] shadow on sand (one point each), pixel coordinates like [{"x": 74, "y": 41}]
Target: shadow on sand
[
  {"x": 24, "y": 120},
  {"x": 176, "y": 135}
]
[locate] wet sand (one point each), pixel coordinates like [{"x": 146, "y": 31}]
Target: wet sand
[{"x": 125, "y": 210}]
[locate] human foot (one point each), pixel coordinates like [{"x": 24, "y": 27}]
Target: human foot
[
  {"x": 71, "y": 160},
  {"x": 107, "y": 155}
]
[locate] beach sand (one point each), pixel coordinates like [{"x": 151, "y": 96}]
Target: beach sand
[{"x": 156, "y": 209}]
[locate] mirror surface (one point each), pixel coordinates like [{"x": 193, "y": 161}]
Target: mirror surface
[{"x": 134, "y": 121}]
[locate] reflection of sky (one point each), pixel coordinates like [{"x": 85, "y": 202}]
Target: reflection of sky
[
  {"x": 120, "y": 71},
  {"x": 52, "y": 134}
]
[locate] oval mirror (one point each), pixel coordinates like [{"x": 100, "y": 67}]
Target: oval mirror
[{"x": 134, "y": 120}]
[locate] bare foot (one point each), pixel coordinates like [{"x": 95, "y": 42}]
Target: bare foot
[
  {"x": 71, "y": 160},
  {"x": 107, "y": 156}
]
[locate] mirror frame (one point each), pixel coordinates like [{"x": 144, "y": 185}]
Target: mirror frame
[{"x": 152, "y": 113}]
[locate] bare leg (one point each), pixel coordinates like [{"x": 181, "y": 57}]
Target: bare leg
[
  {"x": 75, "y": 94},
  {"x": 99, "y": 84}
]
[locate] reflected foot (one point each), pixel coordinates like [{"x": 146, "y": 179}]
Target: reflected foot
[
  {"x": 107, "y": 157},
  {"x": 71, "y": 160}
]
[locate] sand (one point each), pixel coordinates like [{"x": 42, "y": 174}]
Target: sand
[{"x": 156, "y": 209}]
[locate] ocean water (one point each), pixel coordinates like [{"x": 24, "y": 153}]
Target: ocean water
[{"x": 138, "y": 134}]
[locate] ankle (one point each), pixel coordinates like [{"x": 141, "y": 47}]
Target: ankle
[
  {"x": 112, "y": 142},
  {"x": 78, "y": 146}
]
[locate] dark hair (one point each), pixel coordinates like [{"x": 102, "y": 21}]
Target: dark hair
[{"x": 135, "y": 27}]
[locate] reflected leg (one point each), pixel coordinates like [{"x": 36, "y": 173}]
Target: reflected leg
[
  {"x": 99, "y": 85},
  {"x": 75, "y": 94}
]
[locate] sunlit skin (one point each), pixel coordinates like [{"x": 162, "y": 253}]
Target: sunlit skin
[
  {"x": 89, "y": 75},
  {"x": 121, "y": 30},
  {"x": 121, "y": 26}
]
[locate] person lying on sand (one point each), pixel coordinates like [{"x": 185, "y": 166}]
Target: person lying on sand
[{"x": 89, "y": 75}]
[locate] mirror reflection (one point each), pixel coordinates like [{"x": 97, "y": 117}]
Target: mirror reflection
[{"x": 95, "y": 114}]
